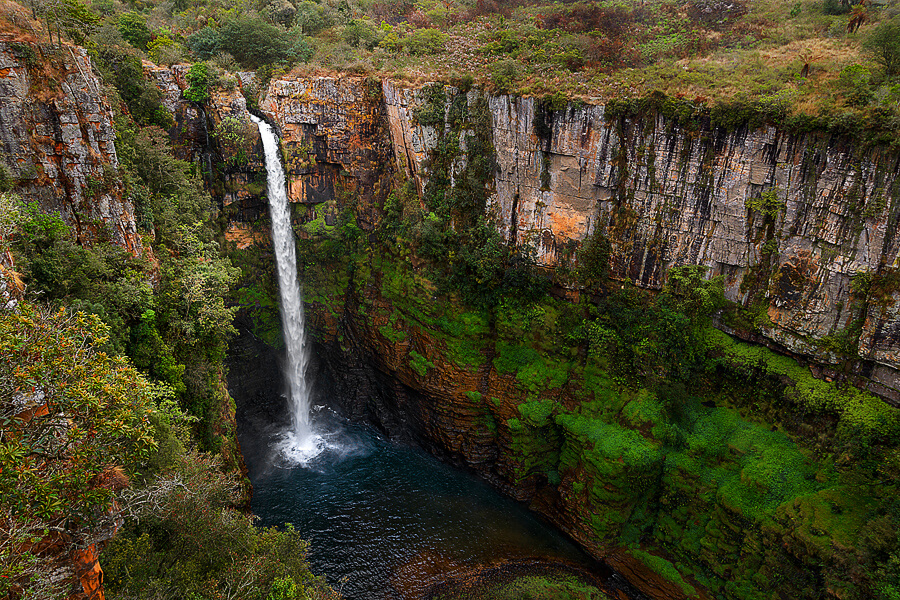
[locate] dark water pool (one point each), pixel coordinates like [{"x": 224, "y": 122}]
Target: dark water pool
[{"x": 388, "y": 521}]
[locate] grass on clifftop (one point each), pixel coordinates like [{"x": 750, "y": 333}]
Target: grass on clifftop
[{"x": 813, "y": 57}]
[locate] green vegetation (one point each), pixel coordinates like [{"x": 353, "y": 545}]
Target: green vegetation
[
  {"x": 74, "y": 420},
  {"x": 528, "y": 587},
  {"x": 884, "y": 43},
  {"x": 768, "y": 204},
  {"x": 114, "y": 404},
  {"x": 666, "y": 436},
  {"x": 198, "y": 83},
  {"x": 419, "y": 363},
  {"x": 195, "y": 542}
]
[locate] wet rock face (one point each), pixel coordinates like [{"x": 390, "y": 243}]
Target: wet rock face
[
  {"x": 334, "y": 140},
  {"x": 334, "y": 143},
  {"x": 57, "y": 140}
]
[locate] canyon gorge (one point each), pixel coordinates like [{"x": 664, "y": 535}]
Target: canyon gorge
[{"x": 799, "y": 225}]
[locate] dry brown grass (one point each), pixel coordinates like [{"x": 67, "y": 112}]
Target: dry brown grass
[
  {"x": 16, "y": 23},
  {"x": 821, "y": 51}
]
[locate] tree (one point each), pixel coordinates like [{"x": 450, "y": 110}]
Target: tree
[
  {"x": 71, "y": 419},
  {"x": 425, "y": 41},
  {"x": 360, "y": 32},
  {"x": 122, "y": 67},
  {"x": 133, "y": 28},
  {"x": 253, "y": 42},
  {"x": 281, "y": 12},
  {"x": 311, "y": 17},
  {"x": 687, "y": 291},
  {"x": 884, "y": 44},
  {"x": 163, "y": 49},
  {"x": 205, "y": 43},
  {"x": 71, "y": 16},
  {"x": 186, "y": 539}
]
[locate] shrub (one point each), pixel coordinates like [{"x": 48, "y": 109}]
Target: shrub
[
  {"x": 7, "y": 181},
  {"x": 198, "y": 83},
  {"x": 593, "y": 260},
  {"x": 123, "y": 69},
  {"x": 390, "y": 39},
  {"x": 232, "y": 135},
  {"x": 360, "y": 33},
  {"x": 162, "y": 49},
  {"x": 884, "y": 44},
  {"x": 419, "y": 363},
  {"x": 688, "y": 292},
  {"x": 768, "y": 203},
  {"x": 506, "y": 42},
  {"x": 190, "y": 542},
  {"x": 835, "y": 7},
  {"x": 311, "y": 18},
  {"x": 504, "y": 74},
  {"x": 255, "y": 43},
  {"x": 425, "y": 41},
  {"x": 855, "y": 81},
  {"x": 281, "y": 12}
]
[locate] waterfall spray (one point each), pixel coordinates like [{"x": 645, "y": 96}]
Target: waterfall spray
[{"x": 300, "y": 443}]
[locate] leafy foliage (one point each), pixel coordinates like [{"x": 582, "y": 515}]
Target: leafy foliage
[
  {"x": 198, "y": 83},
  {"x": 425, "y": 41},
  {"x": 768, "y": 203},
  {"x": 71, "y": 415},
  {"x": 205, "y": 43},
  {"x": 187, "y": 538},
  {"x": 122, "y": 68},
  {"x": 253, "y": 42},
  {"x": 884, "y": 43},
  {"x": 133, "y": 28}
]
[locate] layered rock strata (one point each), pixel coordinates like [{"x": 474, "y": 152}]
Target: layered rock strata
[
  {"x": 788, "y": 220},
  {"x": 57, "y": 140},
  {"x": 798, "y": 225}
]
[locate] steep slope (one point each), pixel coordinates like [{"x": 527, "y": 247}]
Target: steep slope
[{"x": 58, "y": 140}]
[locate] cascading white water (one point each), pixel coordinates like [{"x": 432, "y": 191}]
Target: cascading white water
[{"x": 300, "y": 443}]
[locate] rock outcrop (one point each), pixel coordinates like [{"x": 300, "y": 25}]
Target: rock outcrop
[
  {"x": 788, "y": 220},
  {"x": 800, "y": 226},
  {"x": 57, "y": 140}
]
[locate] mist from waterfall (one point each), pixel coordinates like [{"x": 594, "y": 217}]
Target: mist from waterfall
[{"x": 300, "y": 443}]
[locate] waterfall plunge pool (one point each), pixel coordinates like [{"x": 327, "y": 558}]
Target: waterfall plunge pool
[{"x": 386, "y": 521}]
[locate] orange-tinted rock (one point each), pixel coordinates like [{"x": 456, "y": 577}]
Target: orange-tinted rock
[{"x": 88, "y": 572}]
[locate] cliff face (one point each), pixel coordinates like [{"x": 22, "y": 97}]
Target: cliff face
[
  {"x": 335, "y": 145},
  {"x": 57, "y": 140},
  {"x": 787, "y": 220},
  {"x": 800, "y": 226}
]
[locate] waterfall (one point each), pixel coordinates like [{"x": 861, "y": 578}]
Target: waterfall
[{"x": 300, "y": 443}]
